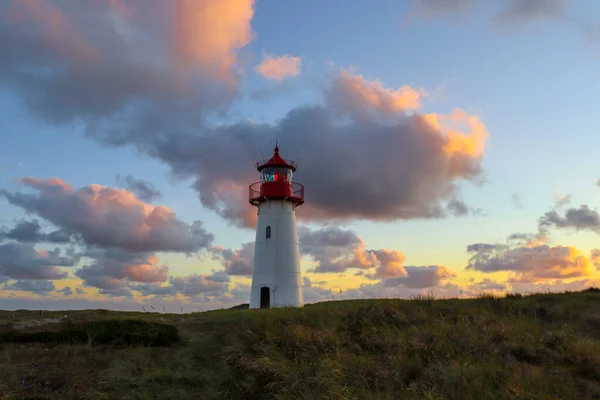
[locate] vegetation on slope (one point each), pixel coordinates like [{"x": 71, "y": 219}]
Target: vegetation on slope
[{"x": 544, "y": 346}]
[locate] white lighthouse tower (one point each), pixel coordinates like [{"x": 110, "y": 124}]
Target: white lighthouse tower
[{"x": 276, "y": 278}]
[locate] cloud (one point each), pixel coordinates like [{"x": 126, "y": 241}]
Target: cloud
[
  {"x": 30, "y": 231},
  {"x": 66, "y": 291},
  {"x": 389, "y": 264},
  {"x": 579, "y": 218},
  {"x": 520, "y": 11},
  {"x": 335, "y": 250},
  {"x": 132, "y": 73},
  {"x": 151, "y": 77},
  {"x": 278, "y": 68},
  {"x": 595, "y": 258},
  {"x": 562, "y": 201},
  {"x": 196, "y": 284},
  {"x": 430, "y": 8},
  {"x": 240, "y": 261},
  {"x": 431, "y": 150},
  {"x": 511, "y": 12},
  {"x": 109, "y": 217},
  {"x": 312, "y": 293},
  {"x": 113, "y": 269},
  {"x": 528, "y": 239},
  {"x": 144, "y": 190},
  {"x": 23, "y": 261},
  {"x": 34, "y": 286},
  {"x": 355, "y": 95},
  {"x": 421, "y": 277},
  {"x": 213, "y": 284},
  {"x": 532, "y": 264},
  {"x": 488, "y": 284},
  {"x": 209, "y": 33},
  {"x": 516, "y": 201}
]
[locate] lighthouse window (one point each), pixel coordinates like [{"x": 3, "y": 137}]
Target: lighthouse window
[
  {"x": 268, "y": 232},
  {"x": 275, "y": 174}
]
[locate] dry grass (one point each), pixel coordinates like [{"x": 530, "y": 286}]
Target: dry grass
[{"x": 544, "y": 346}]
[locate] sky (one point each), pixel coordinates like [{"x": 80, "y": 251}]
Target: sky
[{"x": 446, "y": 147}]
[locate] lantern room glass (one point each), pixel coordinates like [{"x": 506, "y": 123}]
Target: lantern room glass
[{"x": 276, "y": 174}]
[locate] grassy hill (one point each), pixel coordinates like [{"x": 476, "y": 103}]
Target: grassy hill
[{"x": 543, "y": 346}]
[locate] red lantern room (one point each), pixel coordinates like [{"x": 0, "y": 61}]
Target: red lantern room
[{"x": 276, "y": 181}]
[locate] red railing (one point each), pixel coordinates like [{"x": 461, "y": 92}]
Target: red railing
[{"x": 276, "y": 190}]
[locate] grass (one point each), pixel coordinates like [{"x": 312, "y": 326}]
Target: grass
[
  {"x": 108, "y": 332},
  {"x": 543, "y": 346}
]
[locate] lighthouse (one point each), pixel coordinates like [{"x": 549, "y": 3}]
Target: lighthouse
[{"x": 276, "y": 280}]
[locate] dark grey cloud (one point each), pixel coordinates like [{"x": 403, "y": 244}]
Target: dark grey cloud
[
  {"x": 405, "y": 172},
  {"x": 579, "y": 218},
  {"x": 34, "y": 286},
  {"x": 143, "y": 189},
  {"x": 239, "y": 261},
  {"x": 214, "y": 284},
  {"x": 527, "y": 239},
  {"x": 121, "y": 291},
  {"x": 23, "y": 261},
  {"x": 194, "y": 285},
  {"x": 66, "y": 291},
  {"x": 31, "y": 232},
  {"x": 107, "y": 217}
]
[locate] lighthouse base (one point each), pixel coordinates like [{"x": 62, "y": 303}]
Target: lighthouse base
[{"x": 276, "y": 280}]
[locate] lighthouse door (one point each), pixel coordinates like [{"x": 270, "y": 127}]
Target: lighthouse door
[{"x": 265, "y": 297}]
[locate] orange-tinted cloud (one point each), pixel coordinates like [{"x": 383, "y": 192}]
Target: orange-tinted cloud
[
  {"x": 279, "y": 67},
  {"x": 208, "y": 33},
  {"x": 390, "y": 264},
  {"x": 465, "y": 133},
  {"x": 356, "y": 95},
  {"x": 529, "y": 264}
]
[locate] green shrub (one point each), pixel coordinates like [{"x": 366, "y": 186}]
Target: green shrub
[{"x": 114, "y": 332}]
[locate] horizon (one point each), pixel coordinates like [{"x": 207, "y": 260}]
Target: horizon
[{"x": 445, "y": 148}]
